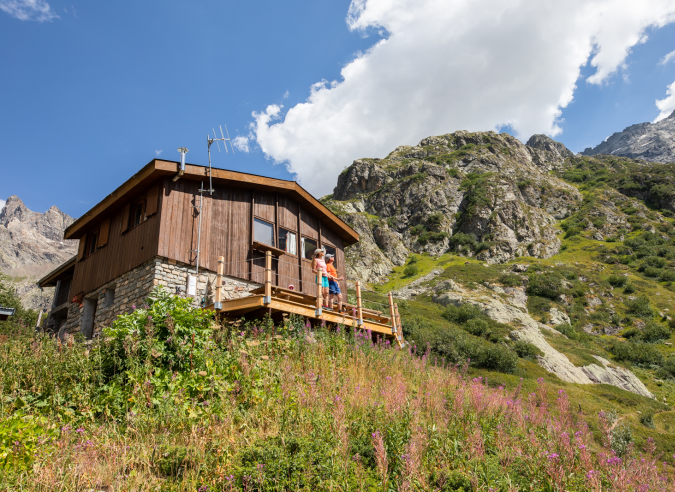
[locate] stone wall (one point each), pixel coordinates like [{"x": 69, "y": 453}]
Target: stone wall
[{"x": 129, "y": 290}]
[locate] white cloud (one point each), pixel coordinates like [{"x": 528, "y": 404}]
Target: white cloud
[
  {"x": 27, "y": 10},
  {"x": 447, "y": 66},
  {"x": 241, "y": 143},
  {"x": 158, "y": 152},
  {"x": 2, "y": 204},
  {"x": 286, "y": 94},
  {"x": 667, "y": 104},
  {"x": 667, "y": 58}
]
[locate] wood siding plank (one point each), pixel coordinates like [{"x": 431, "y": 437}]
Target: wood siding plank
[
  {"x": 288, "y": 213},
  {"x": 264, "y": 206}
]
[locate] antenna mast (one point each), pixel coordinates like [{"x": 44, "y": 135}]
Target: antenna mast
[{"x": 210, "y": 142}]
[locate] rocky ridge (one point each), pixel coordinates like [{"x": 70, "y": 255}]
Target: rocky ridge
[
  {"x": 483, "y": 194},
  {"x": 31, "y": 244},
  {"x": 653, "y": 142}
]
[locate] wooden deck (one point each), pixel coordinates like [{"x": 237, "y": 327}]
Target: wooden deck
[
  {"x": 248, "y": 305},
  {"x": 277, "y": 301}
]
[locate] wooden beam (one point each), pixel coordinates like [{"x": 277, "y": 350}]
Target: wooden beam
[
  {"x": 219, "y": 283},
  {"x": 359, "y": 309}
]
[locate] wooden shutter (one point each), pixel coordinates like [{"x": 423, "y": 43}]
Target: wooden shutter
[
  {"x": 83, "y": 243},
  {"x": 125, "y": 218},
  {"x": 103, "y": 233},
  {"x": 153, "y": 195}
]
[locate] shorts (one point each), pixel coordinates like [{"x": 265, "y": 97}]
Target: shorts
[
  {"x": 324, "y": 281},
  {"x": 333, "y": 287}
]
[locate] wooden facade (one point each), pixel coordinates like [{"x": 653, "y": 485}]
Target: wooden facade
[{"x": 114, "y": 240}]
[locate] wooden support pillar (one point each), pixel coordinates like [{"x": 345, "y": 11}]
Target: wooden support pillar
[
  {"x": 393, "y": 315},
  {"x": 268, "y": 278},
  {"x": 218, "y": 303},
  {"x": 319, "y": 292},
  {"x": 359, "y": 310}
]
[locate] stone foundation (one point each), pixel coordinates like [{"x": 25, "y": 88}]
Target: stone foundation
[{"x": 129, "y": 290}]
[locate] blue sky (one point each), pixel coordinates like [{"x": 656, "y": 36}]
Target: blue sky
[{"x": 92, "y": 91}]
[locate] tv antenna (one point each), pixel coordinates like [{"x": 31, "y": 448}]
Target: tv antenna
[{"x": 210, "y": 142}]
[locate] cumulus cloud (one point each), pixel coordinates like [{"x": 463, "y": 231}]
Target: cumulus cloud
[
  {"x": 667, "y": 58},
  {"x": 159, "y": 152},
  {"x": 447, "y": 66},
  {"x": 667, "y": 104},
  {"x": 2, "y": 204},
  {"x": 241, "y": 143},
  {"x": 28, "y": 10}
]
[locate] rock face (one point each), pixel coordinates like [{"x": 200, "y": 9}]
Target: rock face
[
  {"x": 653, "y": 142},
  {"x": 481, "y": 194},
  {"x": 31, "y": 244},
  {"x": 512, "y": 310}
]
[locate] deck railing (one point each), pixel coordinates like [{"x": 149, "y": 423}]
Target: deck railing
[{"x": 358, "y": 309}]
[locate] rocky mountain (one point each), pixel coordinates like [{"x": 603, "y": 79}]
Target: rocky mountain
[
  {"x": 653, "y": 142},
  {"x": 31, "y": 244},
  {"x": 481, "y": 194}
]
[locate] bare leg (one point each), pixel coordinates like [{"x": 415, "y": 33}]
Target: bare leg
[
  {"x": 325, "y": 296},
  {"x": 339, "y": 301}
]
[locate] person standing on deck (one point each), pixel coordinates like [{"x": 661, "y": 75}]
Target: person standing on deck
[
  {"x": 334, "y": 292},
  {"x": 318, "y": 263}
]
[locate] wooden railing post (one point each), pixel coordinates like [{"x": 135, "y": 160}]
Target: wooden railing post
[
  {"x": 267, "y": 299},
  {"x": 319, "y": 293},
  {"x": 393, "y": 315},
  {"x": 218, "y": 303},
  {"x": 399, "y": 336},
  {"x": 359, "y": 311}
]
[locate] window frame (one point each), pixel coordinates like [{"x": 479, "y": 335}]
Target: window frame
[
  {"x": 288, "y": 231},
  {"x": 302, "y": 244},
  {"x": 143, "y": 203},
  {"x": 265, "y": 222}
]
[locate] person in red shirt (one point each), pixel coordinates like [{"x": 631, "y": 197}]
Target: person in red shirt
[{"x": 333, "y": 283}]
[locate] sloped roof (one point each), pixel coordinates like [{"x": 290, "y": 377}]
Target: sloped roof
[{"x": 158, "y": 168}]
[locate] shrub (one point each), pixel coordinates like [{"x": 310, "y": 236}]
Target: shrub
[
  {"x": 169, "y": 331},
  {"x": 629, "y": 288},
  {"x": 637, "y": 353},
  {"x": 413, "y": 259},
  {"x": 511, "y": 280},
  {"x": 647, "y": 419},
  {"x": 617, "y": 280},
  {"x": 411, "y": 270},
  {"x": 631, "y": 333},
  {"x": 462, "y": 314},
  {"x": 525, "y": 350},
  {"x": 667, "y": 275},
  {"x": 547, "y": 284},
  {"x": 640, "y": 307},
  {"x": 654, "y": 261},
  {"x": 477, "y": 327},
  {"x": 461, "y": 239},
  {"x": 655, "y": 332}
]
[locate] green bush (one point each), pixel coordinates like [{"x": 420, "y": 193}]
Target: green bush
[
  {"x": 617, "y": 280},
  {"x": 511, "y": 280},
  {"x": 655, "y": 332},
  {"x": 526, "y": 350},
  {"x": 169, "y": 332},
  {"x": 637, "y": 353},
  {"x": 547, "y": 285},
  {"x": 667, "y": 275},
  {"x": 640, "y": 307},
  {"x": 629, "y": 288},
  {"x": 477, "y": 327},
  {"x": 632, "y": 333},
  {"x": 462, "y": 314},
  {"x": 411, "y": 270}
]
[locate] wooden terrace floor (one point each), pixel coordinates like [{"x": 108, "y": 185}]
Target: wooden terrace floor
[{"x": 290, "y": 302}]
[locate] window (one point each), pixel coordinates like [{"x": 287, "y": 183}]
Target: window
[
  {"x": 288, "y": 242},
  {"x": 307, "y": 246},
  {"x": 109, "y": 297},
  {"x": 138, "y": 213},
  {"x": 93, "y": 243},
  {"x": 263, "y": 232},
  {"x": 330, "y": 250}
]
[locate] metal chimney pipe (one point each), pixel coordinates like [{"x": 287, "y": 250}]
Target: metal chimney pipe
[{"x": 181, "y": 171}]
